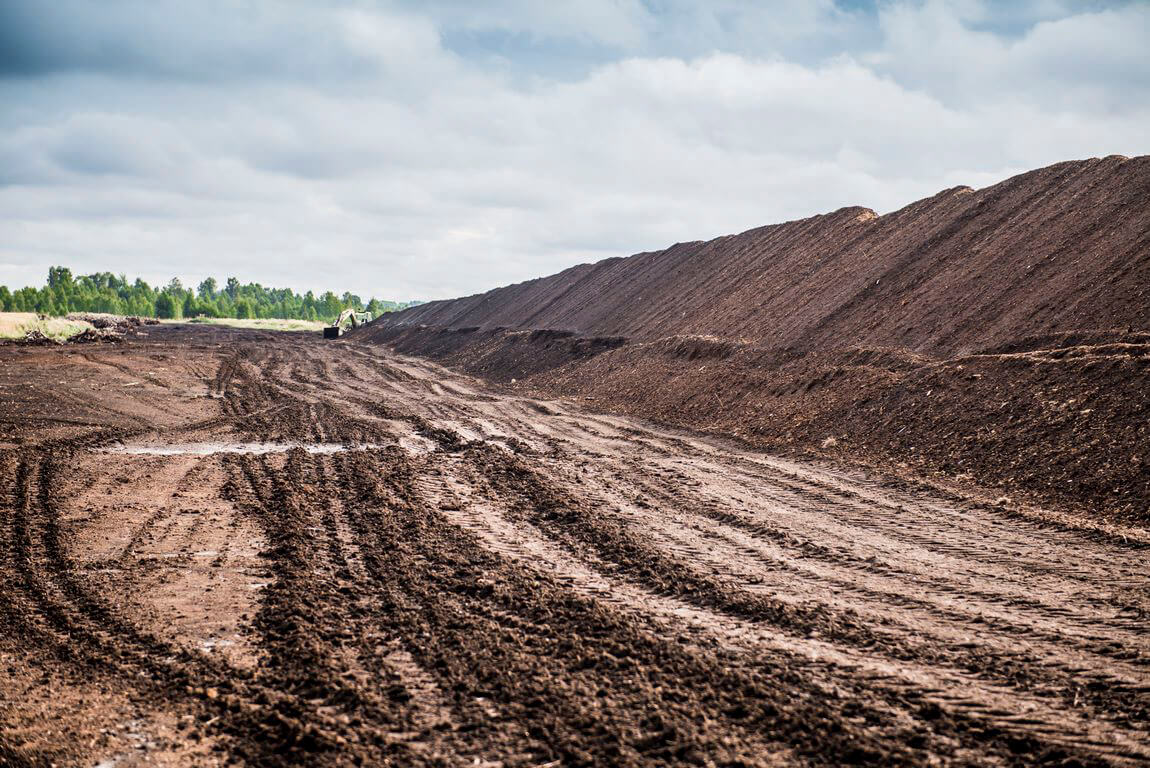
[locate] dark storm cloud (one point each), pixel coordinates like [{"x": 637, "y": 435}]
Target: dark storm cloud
[{"x": 203, "y": 39}]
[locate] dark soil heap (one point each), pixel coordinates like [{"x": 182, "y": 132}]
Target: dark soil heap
[{"x": 993, "y": 335}]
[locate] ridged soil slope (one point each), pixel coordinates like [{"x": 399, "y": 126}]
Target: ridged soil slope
[{"x": 1059, "y": 249}]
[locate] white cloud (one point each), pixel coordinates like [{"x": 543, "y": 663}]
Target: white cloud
[
  {"x": 1089, "y": 61},
  {"x": 382, "y": 161}
]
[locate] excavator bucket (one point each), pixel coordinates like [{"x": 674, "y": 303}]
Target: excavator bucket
[{"x": 331, "y": 331}]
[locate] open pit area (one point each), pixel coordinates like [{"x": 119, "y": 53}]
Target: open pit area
[{"x": 223, "y": 545}]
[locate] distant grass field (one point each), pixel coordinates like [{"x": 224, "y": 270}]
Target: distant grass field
[
  {"x": 13, "y": 325},
  {"x": 260, "y": 324}
]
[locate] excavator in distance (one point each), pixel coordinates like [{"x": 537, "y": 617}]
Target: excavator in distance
[{"x": 349, "y": 315}]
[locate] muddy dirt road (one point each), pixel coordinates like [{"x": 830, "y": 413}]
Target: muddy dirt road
[{"x": 225, "y": 545}]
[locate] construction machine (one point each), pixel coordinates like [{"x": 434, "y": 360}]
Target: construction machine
[{"x": 346, "y": 317}]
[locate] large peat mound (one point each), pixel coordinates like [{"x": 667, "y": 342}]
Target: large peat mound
[{"x": 1060, "y": 249}]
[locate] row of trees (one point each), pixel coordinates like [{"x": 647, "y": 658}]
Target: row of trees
[{"x": 106, "y": 292}]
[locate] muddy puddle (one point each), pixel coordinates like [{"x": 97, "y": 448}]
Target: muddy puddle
[{"x": 210, "y": 448}]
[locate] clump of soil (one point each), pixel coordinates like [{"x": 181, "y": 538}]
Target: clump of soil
[
  {"x": 102, "y": 321},
  {"x": 36, "y": 338},
  {"x": 94, "y": 335}
]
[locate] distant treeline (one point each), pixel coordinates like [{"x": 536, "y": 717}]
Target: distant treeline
[{"x": 106, "y": 292}]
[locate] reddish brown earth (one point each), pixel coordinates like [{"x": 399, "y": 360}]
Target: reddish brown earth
[
  {"x": 998, "y": 338},
  {"x": 487, "y": 578}
]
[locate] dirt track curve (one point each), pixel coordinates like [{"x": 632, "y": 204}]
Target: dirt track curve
[{"x": 225, "y": 544}]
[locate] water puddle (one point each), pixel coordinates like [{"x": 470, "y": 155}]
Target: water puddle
[
  {"x": 211, "y": 644},
  {"x": 208, "y": 449},
  {"x": 416, "y": 444}
]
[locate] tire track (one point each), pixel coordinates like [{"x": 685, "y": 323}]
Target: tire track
[{"x": 517, "y": 582}]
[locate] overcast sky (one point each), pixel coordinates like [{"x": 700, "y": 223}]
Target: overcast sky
[{"x": 433, "y": 149}]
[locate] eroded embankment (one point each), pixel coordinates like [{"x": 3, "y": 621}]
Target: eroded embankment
[
  {"x": 498, "y": 354},
  {"x": 1061, "y": 419}
]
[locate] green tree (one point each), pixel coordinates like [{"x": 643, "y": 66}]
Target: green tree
[
  {"x": 107, "y": 292},
  {"x": 46, "y": 302},
  {"x": 59, "y": 278},
  {"x": 206, "y": 290},
  {"x": 330, "y": 306},
  {"x": 105, "y": 302},
  {"x": 167, "y": 307}
]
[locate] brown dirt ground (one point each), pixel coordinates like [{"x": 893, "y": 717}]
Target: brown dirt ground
[{"x": 487, "y": 578}]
